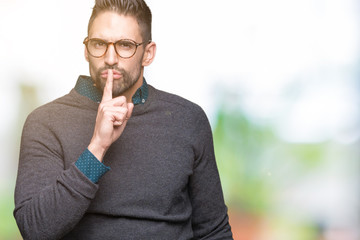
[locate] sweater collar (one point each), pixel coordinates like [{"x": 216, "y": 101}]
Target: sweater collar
[{"x": 85, "y": 87}]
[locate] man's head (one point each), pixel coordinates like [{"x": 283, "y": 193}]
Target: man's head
[{"x": 114, "y": 26}]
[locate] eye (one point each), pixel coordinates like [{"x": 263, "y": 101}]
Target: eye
[
  {"x": 96, "y": 43},
  {"x": 100, "y": 44},
  {"x": 123, "y": 44}
]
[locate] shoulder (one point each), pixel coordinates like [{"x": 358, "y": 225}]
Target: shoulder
[
  {"x": 179, "y": 113},
  {"x": 51, "y": 107},
  {"x": 53, "y": 112},
  {"x": 174, "y": 101}
]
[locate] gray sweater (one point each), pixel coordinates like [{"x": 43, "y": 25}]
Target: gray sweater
[{"x": 163, "y": 182}]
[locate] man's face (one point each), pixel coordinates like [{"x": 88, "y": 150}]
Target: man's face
[{"x": 111, "y": 27}]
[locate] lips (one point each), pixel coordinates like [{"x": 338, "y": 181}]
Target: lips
[{"x": 116, "y": 74}]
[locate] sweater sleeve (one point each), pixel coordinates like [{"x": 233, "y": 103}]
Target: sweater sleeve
[
  {"x": 209, "y": 217},
  {"x": 49, "y": 199}
]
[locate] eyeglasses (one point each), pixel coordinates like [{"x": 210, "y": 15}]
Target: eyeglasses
[{"x": 125, "y": 48}]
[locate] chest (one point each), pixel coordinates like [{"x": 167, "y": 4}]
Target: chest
[{"x": 150, "y": 158}]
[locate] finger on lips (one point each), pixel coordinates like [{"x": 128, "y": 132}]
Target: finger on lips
[
  {"x": 118, "y": 106},
  {"x": 107, "y": 94}
]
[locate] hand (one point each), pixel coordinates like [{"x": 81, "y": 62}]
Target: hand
[{"x": 111, "y": 120}]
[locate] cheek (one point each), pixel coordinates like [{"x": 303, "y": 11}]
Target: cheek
[
  {"x": 93, "y": 66},
  {"x": 136, "y": 64},
  {"x": 131, "y": 67}
]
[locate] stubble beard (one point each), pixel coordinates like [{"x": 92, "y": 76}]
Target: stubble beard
[{"x": 121, "y": 85}]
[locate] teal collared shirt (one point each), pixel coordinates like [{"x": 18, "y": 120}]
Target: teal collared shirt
[
  {"x": 85, "y": 86},
  {"x": 87, "y": 163}
]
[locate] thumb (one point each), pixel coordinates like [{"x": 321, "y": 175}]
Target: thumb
[{"x": 130, "y": 107}]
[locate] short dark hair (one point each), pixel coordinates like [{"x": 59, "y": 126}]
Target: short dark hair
[{"x": 134, "y": 8}]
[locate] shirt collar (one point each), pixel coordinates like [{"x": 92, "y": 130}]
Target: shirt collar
[{"x": 85, "y": 87}]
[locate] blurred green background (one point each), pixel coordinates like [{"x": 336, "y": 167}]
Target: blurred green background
[{"x": 279, "y": 81}]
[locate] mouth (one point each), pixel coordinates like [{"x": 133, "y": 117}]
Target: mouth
[{"x": 116, "y": 74}]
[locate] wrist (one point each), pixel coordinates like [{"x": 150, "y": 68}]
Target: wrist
[{"x": 97, "y": 150}]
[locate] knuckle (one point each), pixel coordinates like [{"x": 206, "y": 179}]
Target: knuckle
[
  {"x": 121, "y": 115},
  {"x": 102, "y": 106},
  {"x": 122, "y": 98},
  {"x": 124, "y": 110}
]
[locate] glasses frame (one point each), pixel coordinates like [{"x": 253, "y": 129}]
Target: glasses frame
[{"x": 87, "y": 39}]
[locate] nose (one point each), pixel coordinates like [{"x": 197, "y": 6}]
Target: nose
[{"x": 111, "y": 58}]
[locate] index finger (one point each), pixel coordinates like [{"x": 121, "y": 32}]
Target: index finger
[{"x": 107, "y": 94}]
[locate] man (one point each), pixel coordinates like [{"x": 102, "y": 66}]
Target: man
[{"x": 116, "y": 158}]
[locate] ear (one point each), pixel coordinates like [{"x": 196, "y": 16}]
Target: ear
[
  {"x": 86, "y": 54},
  {"x": 149, "y": 55}
]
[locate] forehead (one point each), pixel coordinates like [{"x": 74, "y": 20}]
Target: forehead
[{"x": 112, "y": 26}]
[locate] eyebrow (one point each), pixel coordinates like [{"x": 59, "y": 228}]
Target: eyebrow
[{"x": 106, "y": 39}]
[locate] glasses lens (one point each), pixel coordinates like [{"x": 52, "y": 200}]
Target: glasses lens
[
  {"x": 125, "y": 48},
  {"x": 96, "y": 47}
]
